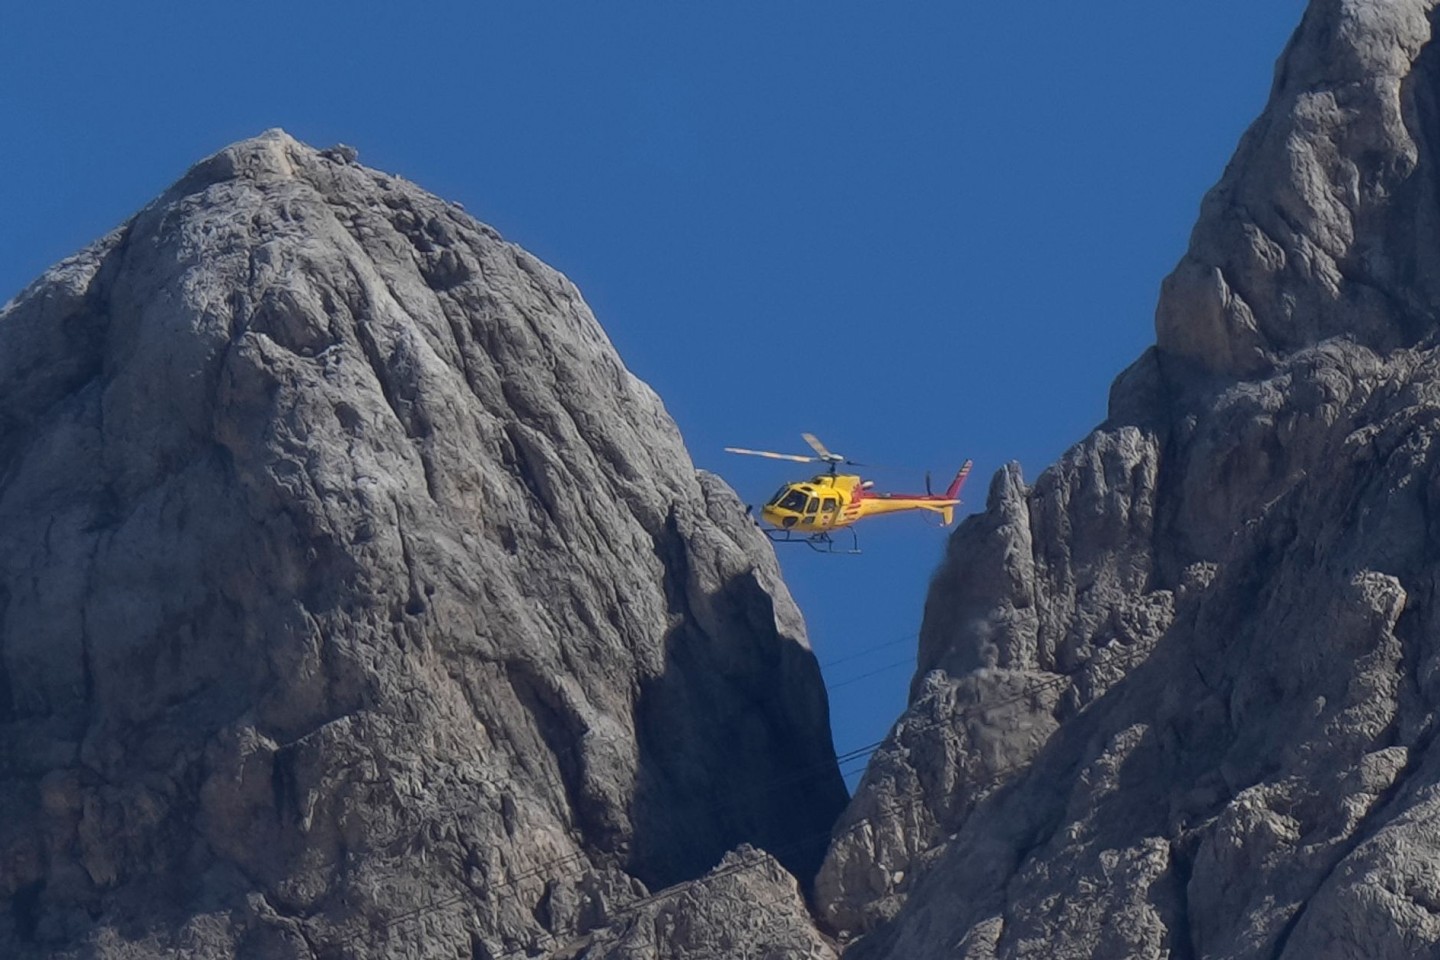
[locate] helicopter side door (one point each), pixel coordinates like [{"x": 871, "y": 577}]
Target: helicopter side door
[
  {"x": 812, "y": 511},
  {"x": 829, "y": 511}
]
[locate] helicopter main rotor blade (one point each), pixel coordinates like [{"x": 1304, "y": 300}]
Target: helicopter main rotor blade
[
  {"x": 772, "y": 455},
  {"x": 819, "y": 447}
]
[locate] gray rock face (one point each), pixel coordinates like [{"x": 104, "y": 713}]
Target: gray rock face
[
  {"x": 356, "y": 601},
  {"x": 1179, "y": 698},
  {"x": 747, "y": 907}
]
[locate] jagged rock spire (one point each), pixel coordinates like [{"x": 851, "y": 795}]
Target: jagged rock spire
[{"x": 1178, "y": 698}]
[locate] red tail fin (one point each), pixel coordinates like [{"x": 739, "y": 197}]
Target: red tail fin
[{"x": 954, "y": 492}]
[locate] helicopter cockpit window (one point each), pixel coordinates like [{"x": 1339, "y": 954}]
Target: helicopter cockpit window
[
  {"x": 829, "y": 505},
  {"x": 779, "y": 495},
  {"x": 812, "y": 504},
  {"x": 794, "y": 500}
]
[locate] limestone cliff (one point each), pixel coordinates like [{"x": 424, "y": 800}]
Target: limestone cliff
[
  {"x": 356, "y": 601},
  {"x": 1179, "y": 697}
]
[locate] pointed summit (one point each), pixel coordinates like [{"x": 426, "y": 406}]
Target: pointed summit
[
  {"x": 356, "y": 600},
  {"x": 1319, "y": 227}
]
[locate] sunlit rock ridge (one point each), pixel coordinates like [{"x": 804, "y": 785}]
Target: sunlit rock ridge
[
  {"x": 355, "y": 601},
  {"x": 1178, "y": 698}
]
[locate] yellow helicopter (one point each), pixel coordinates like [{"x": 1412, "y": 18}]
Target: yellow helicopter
[{"x": 806, "y": 512}]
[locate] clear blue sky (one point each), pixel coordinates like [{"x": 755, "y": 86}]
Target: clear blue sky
[{"x": 923, "y": 231}]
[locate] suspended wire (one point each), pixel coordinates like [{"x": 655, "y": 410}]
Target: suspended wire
[
  {"x": 907, "y": 662},
  {"x": 912, "y": 635}
]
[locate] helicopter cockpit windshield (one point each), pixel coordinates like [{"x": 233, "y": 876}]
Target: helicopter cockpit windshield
[{"x": 794, "y": 500}]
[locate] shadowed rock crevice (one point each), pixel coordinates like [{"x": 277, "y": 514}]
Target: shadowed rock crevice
[{"x": 708, "y": 710}]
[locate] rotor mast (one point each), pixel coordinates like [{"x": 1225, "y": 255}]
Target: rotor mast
[{"x": 833, "y": 459}]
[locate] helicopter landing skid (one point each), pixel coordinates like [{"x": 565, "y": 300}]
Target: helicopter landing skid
[{"x": 819, "y": 542}]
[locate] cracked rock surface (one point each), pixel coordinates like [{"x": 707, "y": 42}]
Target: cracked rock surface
[
  {"x": 747, "y": 907},
  {"x": 356, "y": 601},
  {"x": 1179, "y": 697}
]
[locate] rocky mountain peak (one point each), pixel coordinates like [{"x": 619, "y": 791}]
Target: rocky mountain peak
[
  {"x": 356, "y": 600},
  {"x": 1177, "y": 697},
  {"x": 1324, "y": 223}
]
